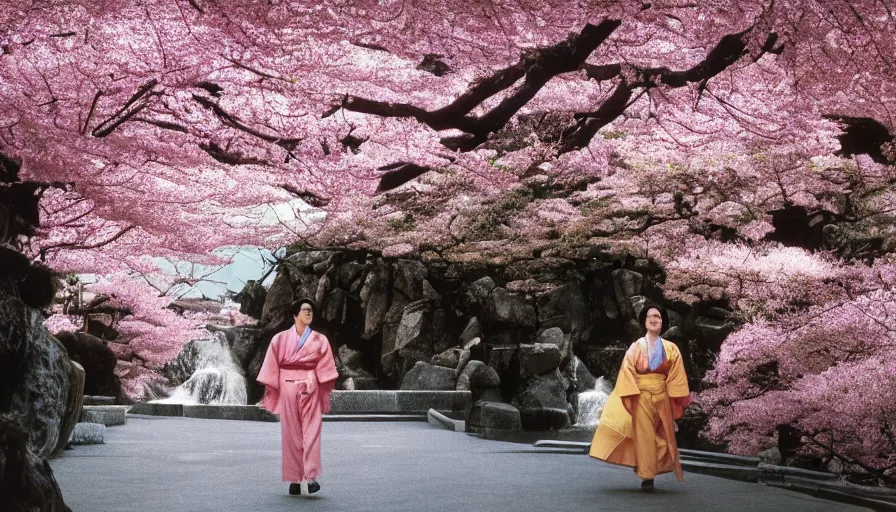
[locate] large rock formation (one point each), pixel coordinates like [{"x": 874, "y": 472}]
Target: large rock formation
[
  {"x": 35, "y": 407},
  {"x": 97, "y": 360},
  {"x": 538, "y": 336}
]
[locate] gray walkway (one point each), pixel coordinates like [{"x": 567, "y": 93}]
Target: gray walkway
[{"x": 156, "y": 464}]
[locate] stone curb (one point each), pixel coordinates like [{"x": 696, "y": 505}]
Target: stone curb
[
  {"x": 366, "y": 405},
  {"x": 87, "y": 433},
  {"x": 822, "y": 485},
  {"x": 399, "y": 402},
  {"x": 229, "y": 412},
  {"x": 374, "y": 405},
  {"x": 435, "y": 418},
  {"x": 737, "y": 460},
  {"x": 108, "y": 415},
  {"x": 840, "y": 492},
  {"x": 374, "y": 417}
]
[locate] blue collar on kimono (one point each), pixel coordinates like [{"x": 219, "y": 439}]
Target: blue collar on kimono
[
  {"x": 656, "y": 357},
  {"x": 304, "y": 338}
]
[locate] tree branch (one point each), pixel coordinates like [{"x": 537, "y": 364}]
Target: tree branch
[
  {"x": 537, "y": 67},
  {"x": 234, "y": 122},
  {"x": 134, "y": 105}
]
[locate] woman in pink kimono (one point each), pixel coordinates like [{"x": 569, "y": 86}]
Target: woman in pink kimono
[{"x": 298, "y": 374}]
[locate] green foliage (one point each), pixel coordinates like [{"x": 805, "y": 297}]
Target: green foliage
[
  {"x": 486, "y": 225},
  {"x": 613, "y": 134},
  {"x": 405, "y": 223}
]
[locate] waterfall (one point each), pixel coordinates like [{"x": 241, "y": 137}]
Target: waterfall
[
  {"x": 591, "y": 403},
  {"x": 214, "y": 379}
]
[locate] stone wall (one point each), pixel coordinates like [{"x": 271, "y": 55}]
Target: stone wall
[{"x": 416, "y": 324}]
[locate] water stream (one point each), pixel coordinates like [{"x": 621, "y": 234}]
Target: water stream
[{"x": 216, "y": 378}]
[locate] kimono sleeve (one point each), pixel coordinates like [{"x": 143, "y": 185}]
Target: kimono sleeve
[
  {"x": 269, "y": 375},
  {"x": 677, "y": 383},
  {"x": 326, "y": 374}
]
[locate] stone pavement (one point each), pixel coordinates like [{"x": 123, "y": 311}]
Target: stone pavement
[{"x": 165, "y": 464}]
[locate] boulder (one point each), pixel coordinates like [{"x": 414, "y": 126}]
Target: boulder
[
  {"x": 26, "y": 481},
  {"x": 442, "y": 338},
  {"x": 488, "y": 394},
  {"x": 245, "y": 343},
  {"x": 35, "y": 377},
  {"x": 252, "y": 299},
  {"x": 449, "y": 358},
  {"x": 471, "y": 331},
  {"x": 351, "y": 368},
  {"x": 408, "y": 277},
  {"x": 488, "y": 415},
  {"x": 34, "y": 387},
  {"x": 430, "y": 293},
  {"x": 275, "y": 313},
  {"x": 605, "y": 361},
  {"x": 566, "y": 308},
  {"x": 477, "y": 375},
  {"x": 351, "y": 359},
  {"x": 308, "y": 261},
  {"x": 501, "y": 357},
  {"x": 555, "y": 336},
  {"x": 538, "y": 358},
  {"x": 771, "y": 456},
  {"x": 472, "y": 343},
  {"x": 479, "y": 290},
  {"x": 425, "y": 376},
  {"x": 98, "y": 362},
  {"x": 320, "y": 291},
  {"x": 413, "y": 337},
  {"x": 626, "y": 283},
  {"x": 333, "y": 307},
  {"x": 375, "y": 300},
  {"x": 711, "y": 331},
  {"x": 542, "y": 402},
  {"x": 359, "y": 383},
  {"x": 462, "y": 361},
  {"x": 73, "y": 408},
  {"x": 349, "y": 276},
  {"x": 512, "y": 308},
  {"x": 579, "y": 376}
]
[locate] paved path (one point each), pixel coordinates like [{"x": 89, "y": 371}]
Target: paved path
[{"x": 191, "y": 465}]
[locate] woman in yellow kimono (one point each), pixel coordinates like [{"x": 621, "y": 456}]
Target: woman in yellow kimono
[{"x": 637, "y": 425}]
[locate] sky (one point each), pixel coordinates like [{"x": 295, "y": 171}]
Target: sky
[{"x": 248, "y": 263}]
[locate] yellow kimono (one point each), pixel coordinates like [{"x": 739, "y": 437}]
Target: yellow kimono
[{"x": 636, "y": 427}]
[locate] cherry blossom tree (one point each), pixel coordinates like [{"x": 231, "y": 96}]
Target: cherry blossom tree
[{"x": 691, "y": 133}]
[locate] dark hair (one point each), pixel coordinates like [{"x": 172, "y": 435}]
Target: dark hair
[
  {"x": 663, "y": 314},
  {"x": 296, "y": 306}
]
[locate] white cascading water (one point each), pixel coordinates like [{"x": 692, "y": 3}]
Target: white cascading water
[
  {"x": 216, "y": 378},
  {"x": 591, "y": 403}
]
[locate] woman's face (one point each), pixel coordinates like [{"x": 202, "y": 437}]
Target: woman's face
[
  {"x": 306, "y": 313},
  {"x": 654, "y": 320}
]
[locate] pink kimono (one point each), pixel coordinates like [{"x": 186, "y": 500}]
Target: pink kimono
[{"x": 297, "y": 387}]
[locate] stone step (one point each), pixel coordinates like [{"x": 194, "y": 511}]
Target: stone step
[
  {"x": 98, "y": 400},
  {"x": 108, "y": 415},
  {"x": 88, "y": 433},
  {"x": 156, "y": 409}
]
